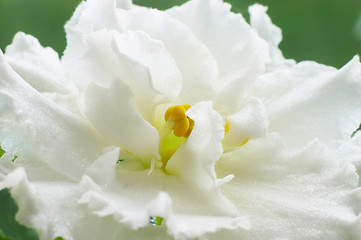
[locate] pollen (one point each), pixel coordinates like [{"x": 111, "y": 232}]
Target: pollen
[
  {"x": 227, "y": 127},
  {"x": 183, "y": 125}
]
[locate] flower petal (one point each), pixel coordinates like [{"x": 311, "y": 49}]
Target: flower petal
[
  {"x": 157, "y": 194},
  {"x": 91, "y": 15},
  {"x": 195, "y": 63},
  {"x": 39, "y": 66},
  {"x": 135, "y": 59},
  {"x": 29, "y": 122},
  {"x": 227, "y": 35},
  {"x": 270, "y": 33},
  {"x": 233, "y": 94},
  {"x": 308, "y": 101},
  {"x": 112, "y": 112},
  {"x": 291, "y": 195},
  {"x": 262, "y": 22},
  {"x": 248, "y": 123},
  {"x": 166, "y": 78},
  {"x": 40, "y": 202},
  {"x": 194, "y": 160}
]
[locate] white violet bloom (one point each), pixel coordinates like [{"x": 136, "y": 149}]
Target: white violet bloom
[{"x": 178, "y": 124}]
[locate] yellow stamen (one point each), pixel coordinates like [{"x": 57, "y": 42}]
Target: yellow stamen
[
  {"x": 191, "y": 125},
  {"x": 227, "y": 127},
  {"x": 244, "y": 142},
  {"x": 183, "y": 125}
]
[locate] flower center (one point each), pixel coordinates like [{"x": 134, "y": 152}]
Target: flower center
[
  {"x": 183, "y": 125},
  {"x": 175, "y": 131}
]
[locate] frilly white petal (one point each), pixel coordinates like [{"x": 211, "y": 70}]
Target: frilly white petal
[
  {"x": 305, "y": 102},
  {"x": 39, "y": 66},
  {"x": 198, "y": 68},
  {"x": 270, "y": 33},
  {"x": 227, "y": 35},
  {"x": 51, "y": 208},
  {"x": 193, "y": 227},
  {"x": 91, "y": 15},
  {"x": 164, "y": 72},
  {"x": 155, "y": 195},
  {"x": 30, "y": 122},
  {"x": 299, "y": 182},
  {"x": 262, "y": 22},
  {"x": 36, "y": 199},
  {"x": 292, "y": 195},
  {"x": 135, "y": 59}
]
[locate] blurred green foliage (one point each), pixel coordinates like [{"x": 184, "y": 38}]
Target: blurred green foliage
[
  {"x": 43, "y": 19},
  {"x": 9, "y": 228},
  {"x": 320, "y": 30}
]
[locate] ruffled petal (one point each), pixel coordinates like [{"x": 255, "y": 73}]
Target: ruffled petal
[
  {"x": 39, "y": 66},
  {"x": 195, "y": 63},
  {"x": 291, "y": 195},
  {"x": 33, "y": 126},
  {"x": 271, "y": 34},
  {"x": 350, "y": 152},
  {"x": 133, "y": 58},
  {"x": 40, "y": 202},
  {"x": 312, "y": 101},
  {"x": 262, "y": 22},
  {"x": 102, "y": 63},
  {"x": 132, "y": 198},
  {"x": 164, "y": 72},
  {"x": 232, "y": 42},
  {"x": 90, "y": 16}
]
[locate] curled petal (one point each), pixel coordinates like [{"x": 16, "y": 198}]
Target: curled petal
[
  {"x": 248, "y": 123},
  {"x": 112, "y": 112}
]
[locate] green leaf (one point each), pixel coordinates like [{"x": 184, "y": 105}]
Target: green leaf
[
  {"x": 157, "y": 221},
  {"x": 2, "y": 152},
  {"x": 10, "y": 229}
]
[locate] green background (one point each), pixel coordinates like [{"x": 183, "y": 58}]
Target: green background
[
  {"x": 319, "y": 30},
  {"x": 325, "y": 31}
]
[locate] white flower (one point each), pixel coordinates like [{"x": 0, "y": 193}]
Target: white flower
[{"x": 269, "y": 156}]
